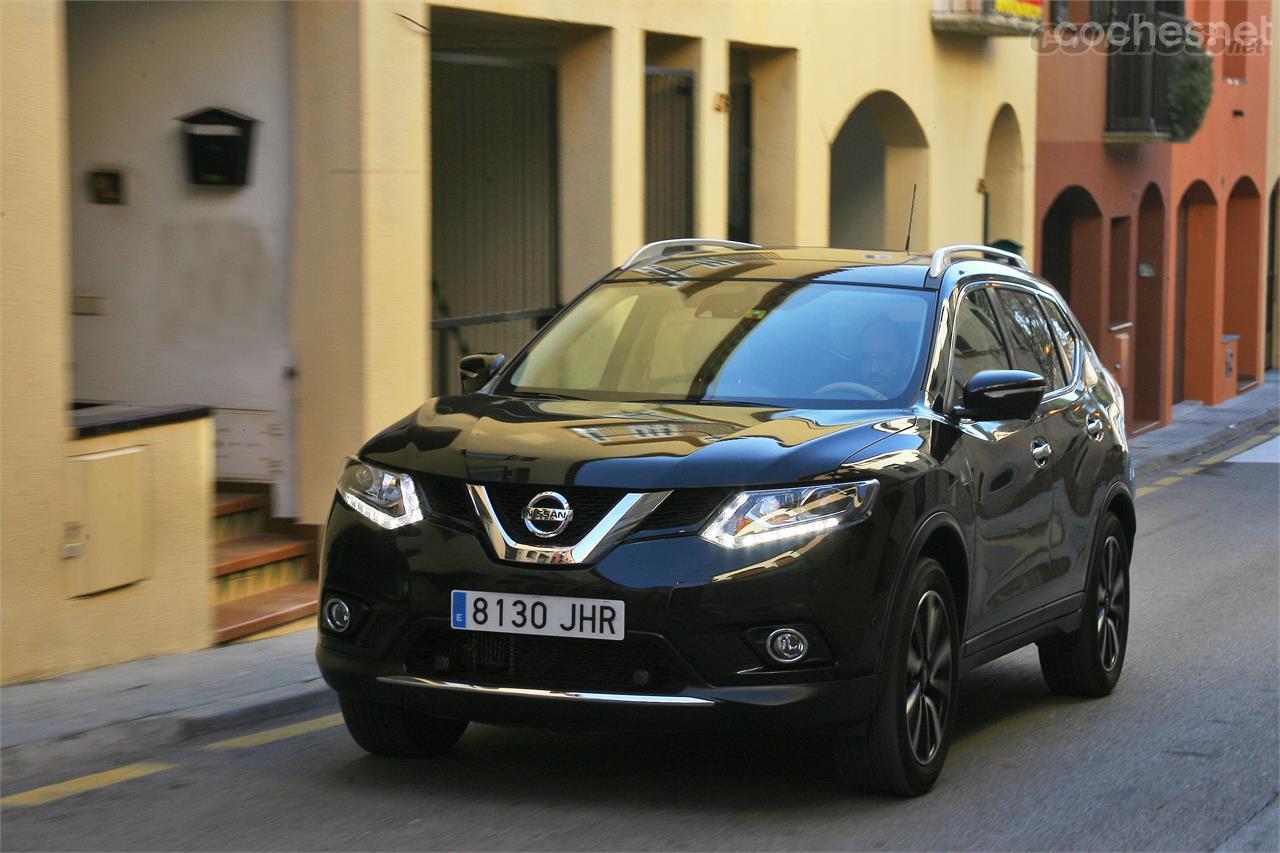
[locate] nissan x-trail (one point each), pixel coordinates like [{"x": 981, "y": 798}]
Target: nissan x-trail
[{"x": 732, "y": 486}]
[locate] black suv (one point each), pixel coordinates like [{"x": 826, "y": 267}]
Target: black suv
[{"x": 733, "y": 485}]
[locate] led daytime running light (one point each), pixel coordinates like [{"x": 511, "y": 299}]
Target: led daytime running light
[{"x": 408, "y": 501}]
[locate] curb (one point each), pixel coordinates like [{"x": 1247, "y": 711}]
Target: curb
[
  {"x": 1145, "y": 468},
  {"x": 159, "y": 731}
]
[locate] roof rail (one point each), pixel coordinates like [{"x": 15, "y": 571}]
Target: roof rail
[
  {"x": 662, "y": 248},
  {"x": 942, "y": 257}
]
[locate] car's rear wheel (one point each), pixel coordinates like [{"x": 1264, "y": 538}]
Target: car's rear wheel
[
  {"x": 1087, "y": 662},
  {"x": 905, "y": 744},
  {"x": 398, "y": 732}
]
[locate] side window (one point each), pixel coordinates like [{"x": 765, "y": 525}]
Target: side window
[
  {"x": 978, "y": 343},
  {"x": 1062, "y": 331},
  {"x": 1033, "y": 347}
]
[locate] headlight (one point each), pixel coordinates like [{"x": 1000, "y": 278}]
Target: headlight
[
  {"x": 768, "y": 515},
  {"x": 386, "y": 498}
]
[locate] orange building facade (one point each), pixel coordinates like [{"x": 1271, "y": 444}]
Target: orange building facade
[{"x": 1160, "y": 245}]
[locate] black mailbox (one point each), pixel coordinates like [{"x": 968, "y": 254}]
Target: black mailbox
[{"x": 217, "y": 145}]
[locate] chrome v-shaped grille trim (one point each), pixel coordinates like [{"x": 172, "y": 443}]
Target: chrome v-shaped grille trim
[{"x": 625, "y": 516}]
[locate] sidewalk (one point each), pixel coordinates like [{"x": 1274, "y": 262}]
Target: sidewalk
[
  {"x": 162, "y": 701},
  {"x": 1198, "y": 429}
]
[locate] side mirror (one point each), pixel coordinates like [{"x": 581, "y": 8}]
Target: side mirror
[
  {"x": 478, "y": 368},
  {"x": 1002, "y": 395}
]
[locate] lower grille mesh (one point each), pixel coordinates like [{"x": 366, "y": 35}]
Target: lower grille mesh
[{"x": 636, "y": 664}]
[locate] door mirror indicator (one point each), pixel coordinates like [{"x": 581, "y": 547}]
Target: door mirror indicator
[
  {"x": 1002, "y": 395},
  {"x": 478, "y": 368}
]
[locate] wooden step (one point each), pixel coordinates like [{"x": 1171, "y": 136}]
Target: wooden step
[
  {"x": 257, "y": 549},
  {"x": 228, "y": 503},
  {"x": 256, "y": 613}
]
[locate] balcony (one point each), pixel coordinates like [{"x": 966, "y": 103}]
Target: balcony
[
  {"x": 1138, "y": 80},
  {"x": 987, "y": 17}
]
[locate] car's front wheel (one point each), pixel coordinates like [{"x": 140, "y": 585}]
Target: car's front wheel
[
  {"x": 906, "y": 742},
  {"x": 398, "y": 732},
  {"x": 1087, "y": 662}
]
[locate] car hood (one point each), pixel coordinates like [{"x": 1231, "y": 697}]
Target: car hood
[{"x": 629, "y": 445}]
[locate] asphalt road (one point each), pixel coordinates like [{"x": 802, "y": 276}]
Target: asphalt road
[{"x": 1183, "y": 756}]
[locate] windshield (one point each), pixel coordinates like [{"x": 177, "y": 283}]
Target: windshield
[{"x": 795, "y": 344}]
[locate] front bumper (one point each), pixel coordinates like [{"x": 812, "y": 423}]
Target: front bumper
[
  {"x": 692, "y": 708},
  {"x": 695, "y": 618}
]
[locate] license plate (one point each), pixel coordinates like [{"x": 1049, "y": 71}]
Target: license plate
[{"x": 544, "y": 615}]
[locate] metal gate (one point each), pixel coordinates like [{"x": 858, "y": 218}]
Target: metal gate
[
  {"x": 668, "y": 153},
  {"x": 494, "y": 220}
]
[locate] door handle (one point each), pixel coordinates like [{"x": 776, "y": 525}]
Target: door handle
[
  {"x": 1094, "y": 426},
  {"x": 1040, "y": 452}
]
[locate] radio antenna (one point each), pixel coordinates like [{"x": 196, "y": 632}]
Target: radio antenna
[{"x": 910, "y": 216}]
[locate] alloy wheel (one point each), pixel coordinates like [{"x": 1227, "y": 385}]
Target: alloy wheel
[
  {"x": 930, "y": 671},
  {"x": 1113, "y": 600}
]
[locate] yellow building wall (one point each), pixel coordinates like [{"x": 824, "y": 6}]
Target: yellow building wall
[
  {"x": 954, "y": 84},
  {"x": 43, "y": 630},
  {"x": 48, "y": 629}
]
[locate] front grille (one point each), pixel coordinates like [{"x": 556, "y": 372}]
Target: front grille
[
  {"x": 589, "y": 505},
  {"x": 685, "y": 509},
  {"x": 448, "y": 497},
  {"x": 638, "y": 663}
]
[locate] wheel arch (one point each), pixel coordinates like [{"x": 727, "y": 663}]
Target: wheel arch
[
  {"x": 1120, "y": 503},
  {"x": 940, "y": 537}
]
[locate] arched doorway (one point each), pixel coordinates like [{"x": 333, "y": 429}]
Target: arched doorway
[
  {"x": 1242, "y": 285},
  {"x": 877, "y": 157},
  {"x": 1196, "y": 345},
  {"x": 1071, "y": 255},
  {"x": 1148, "y": 312},
  {"x": 1002, "y": 180}
]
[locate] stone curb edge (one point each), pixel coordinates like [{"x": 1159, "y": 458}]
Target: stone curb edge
[
  {"x": 1154, "y": 464},
  {"x": 147, "y": 734}
]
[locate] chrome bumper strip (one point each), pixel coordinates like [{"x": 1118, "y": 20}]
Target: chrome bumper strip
[{"x": 577, "y": 695}]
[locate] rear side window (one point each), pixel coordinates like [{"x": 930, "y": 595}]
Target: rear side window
[
  {"x": 1032, "y": 345},
  {"x": 978, "y": 343},
  {"x": 1062, "y": 331}
]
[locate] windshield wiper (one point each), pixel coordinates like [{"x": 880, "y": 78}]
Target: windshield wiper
[
  {"x": 713, "y": 401},
  {"x": 540, "y": 395}
]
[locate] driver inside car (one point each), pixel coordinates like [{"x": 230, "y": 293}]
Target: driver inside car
[{"x": 867, "y": 354}]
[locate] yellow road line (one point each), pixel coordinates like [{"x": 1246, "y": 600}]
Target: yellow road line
[
  {"x": 271, "y": 735},
  {"x": 1235, "y": 449},
  {"x": 1194, "y": 469},
  {"x": 1167, "y": 481},
  {"x": 49, "y": 793},
  {"x": 1144, "y": 490}
]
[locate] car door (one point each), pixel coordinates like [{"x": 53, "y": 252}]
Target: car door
[
  {"x": 1078, "y": 434},
  {"x": 1010, "y": 493},
  {"x": 1061, "y": 428}
]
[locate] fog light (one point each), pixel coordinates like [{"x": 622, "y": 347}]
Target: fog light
[
  {"x": 787, "y": 645},
  {"x": 337, "y": 615}
]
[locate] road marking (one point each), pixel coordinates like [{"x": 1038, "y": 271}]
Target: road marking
[
  {"x": 49, "y": 793},
  {"x": 1233, "y": 450},
  {"x": 1194, "y": 469},
  {"x": 1167, "y": 481},
  {"x": 1268, "y": 451},
  {"x": 1144, "y": 490},
  {"x": 272, "y": 735}
]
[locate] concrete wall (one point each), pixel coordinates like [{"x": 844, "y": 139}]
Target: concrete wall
[
  {"x": 192, "y": 282},
  {"x": 43, "y": 630},
  {"x": 34, "y": 301}
]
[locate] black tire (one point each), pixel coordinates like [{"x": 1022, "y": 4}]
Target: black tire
[
  {"x": 887, "y": 757},
  {"x": 1088, "y": 661},
  {"x": 398, "y": 732}
]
